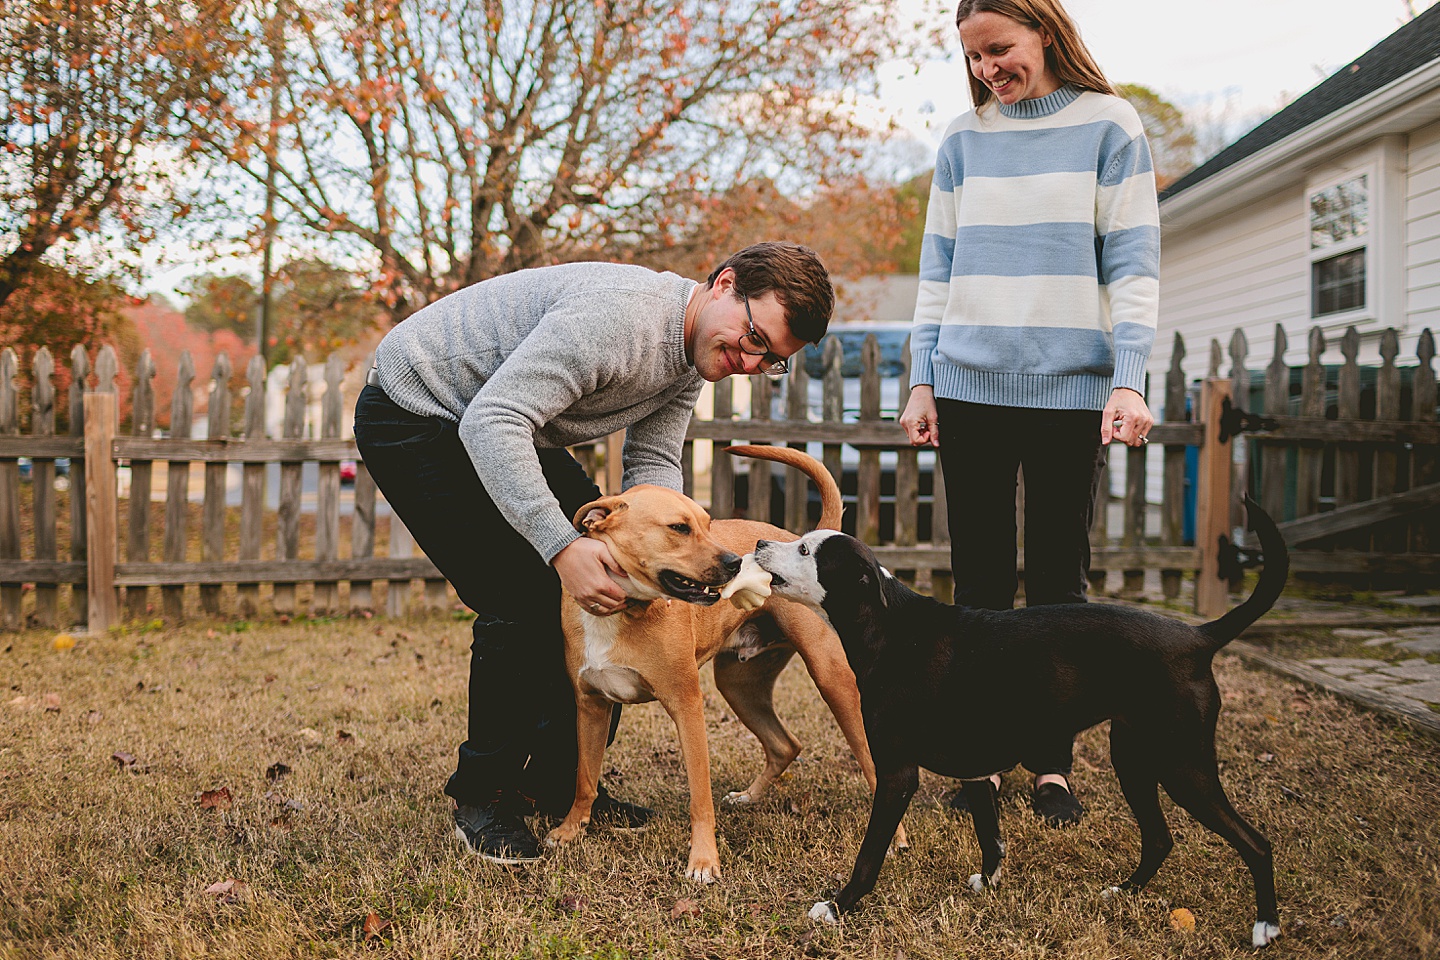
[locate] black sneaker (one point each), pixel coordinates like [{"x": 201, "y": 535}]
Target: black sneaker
[
  {"x": 497, "y": 833},
  {"x": 1056, "y": 805},
  {"x": 619, "y": 815}
]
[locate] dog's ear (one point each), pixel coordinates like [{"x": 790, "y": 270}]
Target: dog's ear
[{"x": 595, "y": 512}]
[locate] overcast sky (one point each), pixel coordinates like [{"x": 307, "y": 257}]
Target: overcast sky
[{"x": 1248, "y": 54}]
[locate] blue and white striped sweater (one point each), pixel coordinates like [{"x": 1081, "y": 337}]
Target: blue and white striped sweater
[{"x": 1039, "y": 273}]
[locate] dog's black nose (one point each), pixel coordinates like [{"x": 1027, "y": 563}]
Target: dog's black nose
[{"x": 732, "y": 564}]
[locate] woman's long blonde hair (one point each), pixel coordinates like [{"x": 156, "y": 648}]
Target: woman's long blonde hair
[{"x": 1066, "y": 56}]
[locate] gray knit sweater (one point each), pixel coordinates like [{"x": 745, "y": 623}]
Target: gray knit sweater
[{"x": 548, "y": 358}]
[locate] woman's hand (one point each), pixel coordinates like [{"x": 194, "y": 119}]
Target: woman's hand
[
  {"x": 921, "y": 424},
  {"x": 1126, "y": 418},
  {"x": 585, "y": 567}
]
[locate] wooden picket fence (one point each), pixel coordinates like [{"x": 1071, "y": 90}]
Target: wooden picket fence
[{"x": 1355, "y": 480}]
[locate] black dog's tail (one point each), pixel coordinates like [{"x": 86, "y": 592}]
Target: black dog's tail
[{"x": 1267, "y": 591}]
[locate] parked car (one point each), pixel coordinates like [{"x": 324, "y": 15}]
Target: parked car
[{"x": 891, "y": 338}]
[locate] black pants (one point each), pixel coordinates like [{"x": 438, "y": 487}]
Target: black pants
[
  {"x": 982, "y": 451},
  {"x": 521, "y": 732}
]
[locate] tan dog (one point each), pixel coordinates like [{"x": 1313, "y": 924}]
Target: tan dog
[{"x": 653, "y": 650}]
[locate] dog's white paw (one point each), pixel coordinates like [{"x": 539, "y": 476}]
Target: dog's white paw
[
  {"x": 1264, "y": 933},
  {"x": 825, "y": 912},
  {"x": 976, "y": 883},
  {"x": 703, "y": 874},
  {"x": 737, "y": 798}
]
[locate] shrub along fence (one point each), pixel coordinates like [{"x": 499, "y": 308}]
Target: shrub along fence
[{"x": 1346, "y": 456}]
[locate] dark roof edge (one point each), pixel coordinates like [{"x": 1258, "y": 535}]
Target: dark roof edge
[{"x": 1409, "y": 48}]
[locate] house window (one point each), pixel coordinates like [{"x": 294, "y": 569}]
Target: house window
[{"x": 1339, "y": 227}]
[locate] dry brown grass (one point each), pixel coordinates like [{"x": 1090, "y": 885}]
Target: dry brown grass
[{"x": 99, "y": 860}]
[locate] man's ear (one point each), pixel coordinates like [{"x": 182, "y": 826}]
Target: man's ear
[{"x": 594, "y": 514}]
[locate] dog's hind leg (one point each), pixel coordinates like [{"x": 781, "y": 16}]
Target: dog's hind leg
[
  {"x": 985, "y": 812},
  {"x": 1193, "y": 781},
  {"x": 749, "y": 687},
  {"x": 893, "y": 790},
  {"x": 1134, "y": 766}
]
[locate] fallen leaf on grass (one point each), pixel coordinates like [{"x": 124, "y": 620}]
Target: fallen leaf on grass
[
  {"x": 275, "y": 771},
  {"x": 343, "y": 735},
  {"x": 684, "y": 908},
  {"x": 123, "y": 759},
  {"x": 63, "y": 641},
  {"x": 228, "y": 891},
  {"x": 570, "y": 903},
  {"x": 216, "y": 799},
  {"x": 52, "y": 703},
  {"x": 1182, "y": 920},
  {"x": 1264, "y": 757},
  {"x": 374, "y": 926}
]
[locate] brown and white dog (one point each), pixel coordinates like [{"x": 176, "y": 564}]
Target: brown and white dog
[{"x": 653, "y": 650}]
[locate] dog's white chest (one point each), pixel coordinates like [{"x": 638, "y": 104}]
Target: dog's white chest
[{"x": 611, "y": 680}]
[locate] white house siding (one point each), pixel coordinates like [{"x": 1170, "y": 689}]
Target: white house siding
[
  {"x": 1422, "y": 238},
  {"x": 1249, "y": 269}
]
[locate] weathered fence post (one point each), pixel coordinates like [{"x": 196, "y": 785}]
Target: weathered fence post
[
  {"x": 212, "y": 522},
  {"x": 1212, "y": 502},
  {"x": 79, "y": 544},
  {"x": 867, "y": 472},
  {"x": 252, "y": 486},
  {"x": 796, "y": 486},
  {"x": 1425, "y": 463},
  {"x": 42, "y": 424},
  {"x": 362, "y": 526},
  {"x": 137, "y": 540},
  {"x": 722, "y": 465},
  {"x": 327, "y": 489},
  {"x": 1172, "y": 522},
  {"x": 10, "y": 595},
  {"x": 177, "y": 486},
  {"x": 103, "y": 604},
  {"x": 759, "y": 506},
  {"x": 287, "y": 533}
]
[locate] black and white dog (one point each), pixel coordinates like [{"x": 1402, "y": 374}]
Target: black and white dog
[{"x": 965, "y": 692}]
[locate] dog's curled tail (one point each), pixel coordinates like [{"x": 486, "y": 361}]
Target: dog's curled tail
[
  {"x": 1267, "y": 591},
  {"x": 831, "y": 504}
]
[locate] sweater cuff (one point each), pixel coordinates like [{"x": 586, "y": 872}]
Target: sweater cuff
[
  {"x": 922, "y": 369},
  {"x": 550, "y": 540},
  {"x": 1130, "y": 371}
]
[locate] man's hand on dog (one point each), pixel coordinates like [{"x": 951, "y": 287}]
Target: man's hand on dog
[{"x": 585, "y": 568}]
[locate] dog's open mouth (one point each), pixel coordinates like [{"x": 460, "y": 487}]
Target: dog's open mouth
[{"x": 682, "y": 587}]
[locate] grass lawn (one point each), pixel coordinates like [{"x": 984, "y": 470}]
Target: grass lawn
[{"x": 332, "y": 739}]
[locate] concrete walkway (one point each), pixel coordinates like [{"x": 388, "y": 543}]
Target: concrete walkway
[{"x": 1407, "y": 689}]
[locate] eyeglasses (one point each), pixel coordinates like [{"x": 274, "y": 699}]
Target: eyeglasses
[{"x": 753, "y": 344}]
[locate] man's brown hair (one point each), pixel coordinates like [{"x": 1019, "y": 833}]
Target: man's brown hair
[{"x": 800, "y": 282}]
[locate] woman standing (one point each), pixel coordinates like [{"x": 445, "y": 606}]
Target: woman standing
[{"x": 1036, "y": 313}]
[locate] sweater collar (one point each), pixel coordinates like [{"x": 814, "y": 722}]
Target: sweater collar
[{"x": 1041, "y": 106}]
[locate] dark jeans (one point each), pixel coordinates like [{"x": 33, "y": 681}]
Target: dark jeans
[
  {"x": 983, "y": 449},
  {"x": 521, "y": 735}
]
